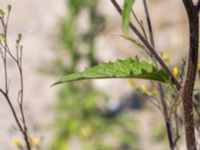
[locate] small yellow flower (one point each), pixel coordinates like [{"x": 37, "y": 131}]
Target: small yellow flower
[
  {"x": 175, "y": 71},
  {"x": 16, "y": 142},
  {"x": 198, "y": 66},
  {"x": 34, "y": 141},
  {"x": 144, "y": 88},
  {"x": 166, "y": 56}
]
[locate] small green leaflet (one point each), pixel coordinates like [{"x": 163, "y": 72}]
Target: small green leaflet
[
  {"x": 129, "y": 68},
  {"x": 126, "y": 14}
]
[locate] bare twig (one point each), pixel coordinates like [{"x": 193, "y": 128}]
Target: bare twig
[
  {"x": 149, "y": 47},
  {"x": 18, "y": 60},
  {"x": 167, "y": 117},
  {"x": 140, "y": 23},
  {"x": 176, "y": 127},
  {"x": 149, "y": 23}
]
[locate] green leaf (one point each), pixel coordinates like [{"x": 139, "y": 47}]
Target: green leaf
[
  {"x": 130, "y": 68},
  {"x": 126, "y": 14}
]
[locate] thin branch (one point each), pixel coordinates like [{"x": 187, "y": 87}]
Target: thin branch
[
  {"x": 12, "y": 109},
  {"x": 167, "y": 117},
  {"x": 151, "y": 49},
  {"x": 18, "y": 60},
  {"x": 140, "y": 24},
  {"x": 149, "y": 23},
  {"x": 176, "y": 128}
]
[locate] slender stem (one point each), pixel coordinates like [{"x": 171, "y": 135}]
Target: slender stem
[
  {"x": 187, "y": 91},
  {"x": 176, "y": 127},
  {"x": 140, "y": 24},
  {"x": 150, "y": 48},
  {"x": 149, "y": 23},
  {"x": 26, "y": 136},
  {"x": 12, "y": 109},
  {"x": 160, "y": 87},
  {"x": 21, "y": 125},
  {"x": 5, "y": 72},
  {"x": 5, "y": 59},
  {"x": 166, "y": 117}
]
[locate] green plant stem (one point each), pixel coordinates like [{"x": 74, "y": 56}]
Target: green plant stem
[
  {"x": 166, "y": 117},
  {"x": 187, "y": 91}
]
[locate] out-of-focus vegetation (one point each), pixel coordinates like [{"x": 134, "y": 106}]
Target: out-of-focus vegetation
[
  {"x": 82, "y": 112},
  {"x": 83, "y": 115}
]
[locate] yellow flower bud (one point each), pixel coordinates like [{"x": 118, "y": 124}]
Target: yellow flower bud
[
  {"x": 16, "y": 142},
  {"x": 34, "y": 141},
  {"x": 166, "y": 56},
  {"x": 175, "y": 71}
]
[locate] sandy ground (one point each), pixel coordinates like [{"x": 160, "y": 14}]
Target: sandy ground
[{"x": 37, "y": 21}]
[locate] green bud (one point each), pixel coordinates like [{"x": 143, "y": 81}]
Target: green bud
[
  {"x": 2, "y": 37},
  {"x": 19, "y": 37},
  {"x": 9, "y": 7},
  {"x": 1, "y": 13}
]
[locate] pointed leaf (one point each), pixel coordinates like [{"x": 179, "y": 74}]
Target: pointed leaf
[
  {"x": 130, "y": 68},
  {"x": 126, "y": 14}
]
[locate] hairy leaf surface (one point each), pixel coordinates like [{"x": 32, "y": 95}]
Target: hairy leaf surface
[{"x": 130, "y": 68}]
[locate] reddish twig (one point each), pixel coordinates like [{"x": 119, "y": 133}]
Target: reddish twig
[{"x": 188, "y": 87}]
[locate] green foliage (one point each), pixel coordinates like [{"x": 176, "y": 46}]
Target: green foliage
[
  {"x": 80, "y": 116},
  {"x": 130, "y": 68},
  {"x": 126, "y": 14}
]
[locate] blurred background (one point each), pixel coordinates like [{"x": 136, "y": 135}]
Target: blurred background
[{"x": 64, "y": 36}]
